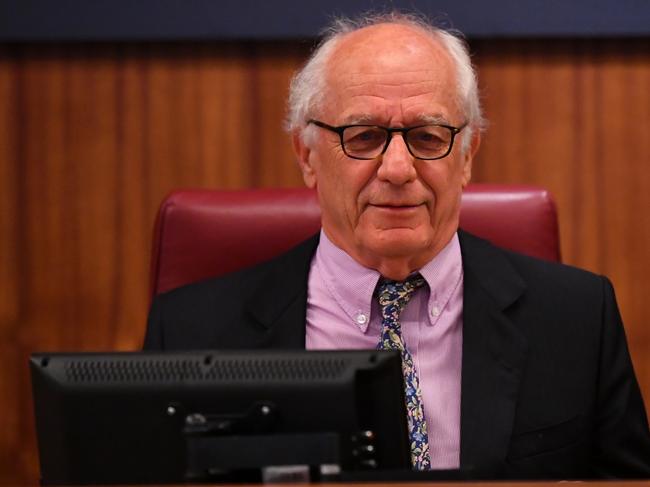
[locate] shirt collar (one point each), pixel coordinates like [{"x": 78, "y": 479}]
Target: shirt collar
[
  {"x": 352, "y": 285},
  {"x": 349, "y": 283},
  {"x": 443, "y": 274}
]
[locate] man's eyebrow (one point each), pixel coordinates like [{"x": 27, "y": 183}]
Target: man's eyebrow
[
  {"x": 356, "y": 119},
  {"x": 434, "y": 119},
  {"x": 359, "y": 119},
  {"x": 421, "y": 118}
]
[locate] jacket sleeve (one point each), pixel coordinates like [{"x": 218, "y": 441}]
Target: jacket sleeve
[{"x": 623, "y": 438}]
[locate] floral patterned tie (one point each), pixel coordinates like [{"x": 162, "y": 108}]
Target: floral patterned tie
[{"x": 393, "y": 297}]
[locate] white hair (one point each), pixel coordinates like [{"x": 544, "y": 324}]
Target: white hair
[{"x": 309, "y": 83}]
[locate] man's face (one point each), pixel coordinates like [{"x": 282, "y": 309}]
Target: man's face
[{"x": 393, "y": 212}]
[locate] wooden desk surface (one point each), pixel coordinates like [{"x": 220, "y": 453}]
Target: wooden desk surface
[{"x": 599, "y": 483}]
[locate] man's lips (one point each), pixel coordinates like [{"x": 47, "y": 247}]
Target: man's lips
[{"x": 396, "y": 206}]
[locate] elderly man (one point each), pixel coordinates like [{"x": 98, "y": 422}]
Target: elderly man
[{"x": 514, "y": 368}]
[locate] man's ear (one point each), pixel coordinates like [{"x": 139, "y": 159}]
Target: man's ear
[
  {"x": 468, "y": 157},
  {"x": 303, "y": 154}
]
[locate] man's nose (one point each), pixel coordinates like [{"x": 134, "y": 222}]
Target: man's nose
[{"x": 397, "y": 162}]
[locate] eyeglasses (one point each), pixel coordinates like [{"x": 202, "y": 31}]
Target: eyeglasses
[{"x": 429, "y": 142}]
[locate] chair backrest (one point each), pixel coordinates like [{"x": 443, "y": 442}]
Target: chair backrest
[{"x": 205, "y": 233}]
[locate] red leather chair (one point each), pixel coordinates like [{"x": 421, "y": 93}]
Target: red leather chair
[{"x": 206, "y": 233}]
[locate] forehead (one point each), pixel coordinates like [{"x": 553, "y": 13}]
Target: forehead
[{"x": 391, "y": 73}]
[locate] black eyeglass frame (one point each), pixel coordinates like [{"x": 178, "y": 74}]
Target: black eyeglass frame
[{"x": 391, "y": 130}]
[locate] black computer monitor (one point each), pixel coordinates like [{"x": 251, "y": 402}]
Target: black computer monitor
[{"x": 173, "y": 417}]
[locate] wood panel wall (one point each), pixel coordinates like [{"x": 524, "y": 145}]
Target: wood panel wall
[{"x": 92, "y": 138}]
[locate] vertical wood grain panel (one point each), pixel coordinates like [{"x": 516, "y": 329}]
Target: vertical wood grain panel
[
  {"x": 92, "y": 138},
  {"x": 224, "y": 89},
  {"x": 10, "y": 291},
  {"x": 274, "y": 70},
  {"x": 8, "y": 200},
  {"x": 133, "y": 200}
]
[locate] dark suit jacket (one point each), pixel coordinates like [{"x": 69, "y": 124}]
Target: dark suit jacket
[{"x": 548, "y": 389}]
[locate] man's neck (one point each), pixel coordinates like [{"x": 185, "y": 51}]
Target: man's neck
[{"x": 395, "y": 267}]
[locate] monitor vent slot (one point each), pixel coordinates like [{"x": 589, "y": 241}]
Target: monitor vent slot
[
  {"x": 208, "y": 369},
  {"x": 133, "y": 371},
  {"x": 261, "y": 369}
]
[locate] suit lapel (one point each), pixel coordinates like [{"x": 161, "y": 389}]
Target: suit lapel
[
  {"x": 277, "y": 303},
  {"x": 494, "y": 353}
]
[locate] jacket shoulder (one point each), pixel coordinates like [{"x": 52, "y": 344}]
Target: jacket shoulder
[
  {"x": 191, "y": 315},
  {"x": 534, "y": 271}
]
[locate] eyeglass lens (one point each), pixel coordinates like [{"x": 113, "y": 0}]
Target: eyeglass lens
[{"x": 428, "y": 141}]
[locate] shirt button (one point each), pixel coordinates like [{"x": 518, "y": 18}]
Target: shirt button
[
  {"x": 435, "y": 311},
  {"x": 361, "y": 319}
]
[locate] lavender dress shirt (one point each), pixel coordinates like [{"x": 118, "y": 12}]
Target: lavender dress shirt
[{"x": 342, "y": 314}]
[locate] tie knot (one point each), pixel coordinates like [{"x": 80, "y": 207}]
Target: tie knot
[{"x": 394, "y": 295}]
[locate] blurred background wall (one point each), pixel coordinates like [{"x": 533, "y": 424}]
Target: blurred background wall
[{"x": 95, "y": 132}]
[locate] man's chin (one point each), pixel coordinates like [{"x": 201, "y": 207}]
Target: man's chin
[{"x": 397, "y": 242}]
